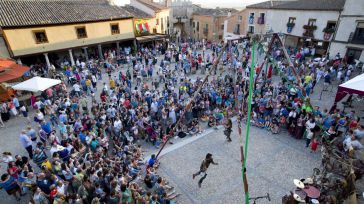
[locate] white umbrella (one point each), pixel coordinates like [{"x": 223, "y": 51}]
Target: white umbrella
[{"x": 36, "y": 84}]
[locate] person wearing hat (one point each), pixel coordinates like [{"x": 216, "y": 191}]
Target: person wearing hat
[{"x": 203, "y": 168}]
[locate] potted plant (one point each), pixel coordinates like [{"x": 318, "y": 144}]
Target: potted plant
[
  {"x": 328, "y": 33},
  {"x": 310, "y": 27},
  {"x": 328, "y": 30},
  {"x": 290, "y": 26}
]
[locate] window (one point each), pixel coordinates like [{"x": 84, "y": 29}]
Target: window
[
  {"x": 251, "y": 29},
  {"x": 81, "y": 32},
  {"x": 220, "y": 37},
  {"x": 206, "y": 29},
  {"x": 193, "y": 24},
  {"x": 115, "y": 29},
  {"x": 40, "y": 36},
  {"x": 331, "y": 24},
  {"x": 157, "y": 21},
  {"x": 291, "y": 20},
  {"x": 251, "y": 18},
  {"x": 198, "y": 26},
  {"x": 222, "y": 27},
  {"x": 237, "y": 29},
  {"x": 261, "y": 18},
  {"x": 240, "y": 18},
  {"x": 311, "y": 22},
  {"x": 358, "y": 37}
]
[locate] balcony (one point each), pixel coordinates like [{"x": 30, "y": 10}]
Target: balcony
[
  {"x": 115, "y": 32},
  {"x": 308, "y": 33},
  {"x": 236, "y": 32},
  {"x": 309, "y": 30},
  {"x": 205, "y": 31}
]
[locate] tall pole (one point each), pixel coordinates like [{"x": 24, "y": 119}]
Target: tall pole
[{"x": 250, "y": 97}]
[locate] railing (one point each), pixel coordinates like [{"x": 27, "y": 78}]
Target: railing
[
  {"x": 309, "y": 30},
  {"x": 205, "y": 31},
  {"x": 81, "y": 35},
  {"x": 41, "y": 40},
  {"x": 115, "y": 32},
  {"x": 308, "y": 33}
]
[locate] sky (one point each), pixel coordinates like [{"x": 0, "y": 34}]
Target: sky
[{"x": 239, "y": 4}]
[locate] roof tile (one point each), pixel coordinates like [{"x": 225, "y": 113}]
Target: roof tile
[
  {"x": 47, "y": 12},
  {"x": 329, "y": 5}
]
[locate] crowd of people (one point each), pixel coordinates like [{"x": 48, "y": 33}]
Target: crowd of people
[
  {"x": 84, "y": 138},
  {"x": 286, "y": 105}
]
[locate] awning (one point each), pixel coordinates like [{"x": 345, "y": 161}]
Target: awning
[
  {"x": 149, "y": 38},
  {"x": 36, "y": 84},
  {"x": 10, "y": 70},
  {"x": 353, "y": 86}
]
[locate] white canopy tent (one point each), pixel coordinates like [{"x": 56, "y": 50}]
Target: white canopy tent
[
  {"x": 353, "y": 86},
  {"x": 356, "y": 83},
  {"x": 36, "y": 84}
]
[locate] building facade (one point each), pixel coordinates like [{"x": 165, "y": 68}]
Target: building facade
[
  {"x": 161, "y": 13},
  {"x": 61, "y": 28},
  {"x": 349, "y": 36},
  {"x": 145, "y": 26},
  {"x": 240, "y": 24},
  {"x": 208, "y": 24},
  {"x": 303, "y": 22},
  {"x": 182, "y": 11}
]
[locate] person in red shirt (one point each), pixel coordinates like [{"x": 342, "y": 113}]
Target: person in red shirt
[
  {"x": 314, "y": 145},
  {"x": 103, "y": 97},
  {"x": 13, "y": 170},
  {"x": 126, "y": 103},
  {"x": 353, "y": 124},
  {"x": 53, "y": 193}
]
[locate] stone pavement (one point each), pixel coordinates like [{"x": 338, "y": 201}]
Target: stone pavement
[{"x": 273, "y": 162}]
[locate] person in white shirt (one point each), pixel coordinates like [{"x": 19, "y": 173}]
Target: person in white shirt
[
  {"x": 40, "y": 116},
  {"x": 310, "y": 124},
  {"x": 76, "y": 88},
  {"x": 117, "y": 126}
]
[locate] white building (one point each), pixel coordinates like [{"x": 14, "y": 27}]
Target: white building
[
  {"x": 349, "y": 37},
  {"x": 304, "y": 22}
]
